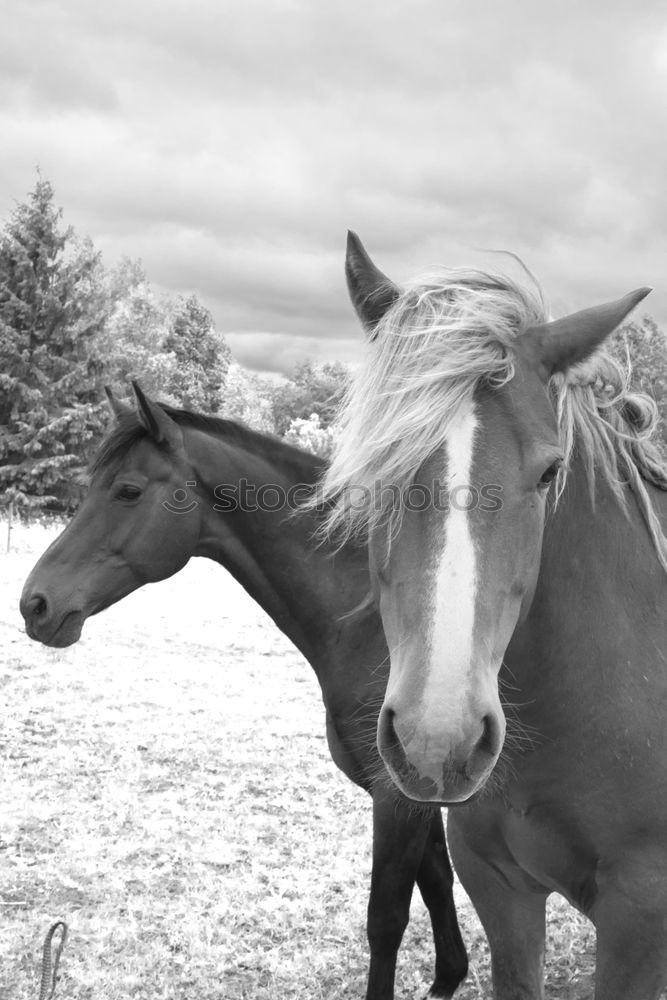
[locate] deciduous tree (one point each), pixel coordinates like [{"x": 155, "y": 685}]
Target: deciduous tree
[
  {"x": 133, "y": 340},
  {"x": 644, "y": 345},
  {"x": 202, "y": 356},
  {"x": 310, "y": 389},
  {"x": 247, "y": 398}
]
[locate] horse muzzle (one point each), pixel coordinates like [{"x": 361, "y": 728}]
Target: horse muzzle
[
  {"x": 49, "y": 625},
  {"x": 431, "y": 766}
]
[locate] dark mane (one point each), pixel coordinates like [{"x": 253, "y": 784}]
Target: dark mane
[{"x": 128, "y": 431}]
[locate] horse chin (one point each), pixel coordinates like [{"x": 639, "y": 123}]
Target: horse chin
[
  {"x": 66, "y": 634},
  {"x": 455, "y": 789}
]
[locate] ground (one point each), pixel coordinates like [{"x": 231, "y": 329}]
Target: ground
[{"x": 167, "y": 790}]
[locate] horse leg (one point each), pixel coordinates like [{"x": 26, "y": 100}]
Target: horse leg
[
  {"x": 435, "y": 880},
  {"x": 630, "y": 915},
  {"x": 512, "y": 909},
  {"x": 399, "y": 836}
]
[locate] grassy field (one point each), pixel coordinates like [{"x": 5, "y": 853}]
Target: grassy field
[{"x": 167, "y": 790}]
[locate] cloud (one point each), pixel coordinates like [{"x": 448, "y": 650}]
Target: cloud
[
  {"x": 268, "y": 352},
  {"x": 231, "y": 146}
]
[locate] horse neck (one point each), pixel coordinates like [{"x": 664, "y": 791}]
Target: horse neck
[
  {"x": 601, "y": 592},
  {"x": 599, "y": 537},
  {"x": 310, "y": 591}
]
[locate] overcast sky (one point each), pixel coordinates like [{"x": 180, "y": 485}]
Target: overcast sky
[{"x": 230, "y": 145}]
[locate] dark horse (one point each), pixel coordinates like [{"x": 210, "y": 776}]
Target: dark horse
[
  {"x": 518, "y": 549},
  {"x": 156, "y": 498}
]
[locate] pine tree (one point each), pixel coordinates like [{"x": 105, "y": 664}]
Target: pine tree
[
  {"x": 202, "y": 357},
  {"x": 52, "y": 306}
]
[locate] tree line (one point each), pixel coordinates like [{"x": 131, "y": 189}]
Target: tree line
[{"x": 69, "y": 326}]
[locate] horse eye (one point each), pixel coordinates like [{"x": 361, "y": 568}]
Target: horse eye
[
  {"x": 128, "y": 492},
  {"x": 548, "y": 477}
]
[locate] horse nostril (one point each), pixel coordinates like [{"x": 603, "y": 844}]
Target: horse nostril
[
  {"x": 487, "y": 743},
  {"x": 388, "y": 736},
  {"x": 37, "y": 606}
]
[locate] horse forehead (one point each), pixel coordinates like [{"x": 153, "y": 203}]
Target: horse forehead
[
  {"x": 142, "y": 458},
  {"x": 452, "y": 460},
  {"x": 515, "y": 417},
  {"x": 154, "y": 460}
]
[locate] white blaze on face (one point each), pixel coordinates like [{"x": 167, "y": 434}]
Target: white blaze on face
[{"x": 451, "y": 638}]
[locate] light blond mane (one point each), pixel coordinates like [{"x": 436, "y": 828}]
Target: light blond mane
[{"x": 438, "y": 342}]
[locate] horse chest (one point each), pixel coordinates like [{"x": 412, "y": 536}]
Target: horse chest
[{"x": 552, "y": 850}]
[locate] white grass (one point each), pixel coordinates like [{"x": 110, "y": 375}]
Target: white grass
[{"x": 167, "y": 790}]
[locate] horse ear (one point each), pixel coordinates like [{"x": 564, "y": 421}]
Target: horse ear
[
  {"x": 161, "y": 428},
  {"x": 118, "y": 408},
  {"x": 371, "y": 291},
  {"x": 569, "y": 340}
]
